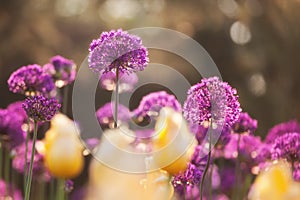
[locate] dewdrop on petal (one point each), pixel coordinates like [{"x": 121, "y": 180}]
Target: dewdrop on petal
[
  {"x": 174, "y": 141},
  {"x": 275, "y": 183}
]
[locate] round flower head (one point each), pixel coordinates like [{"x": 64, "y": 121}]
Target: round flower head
[
  {"x": 30, "y": 80},
  {"x": 40, "y": 108},
  {"x": 11, "y": 122},
  {"x": 62, "y": 70},
  {"x": 245, "y": 124},
  {"x": 105, "y": 114},
  {"x": 281, "y": 129},
  {"x": 126, "y": 81},
  {"x": 248, "y": 148},
  {"x": 287, "y": 147},
  {"x": 154, "y": 101},
  {"x": 117, "y": 50},
  {"x": 212, "y": 100}
]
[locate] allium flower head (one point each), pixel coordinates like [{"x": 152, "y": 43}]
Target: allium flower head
[
  {"x": 117, "y": 50},
  {"x": 212, "y": 100},
  {"x": 245, "y": 124},
  {"x": 248, "y": 148},
  {"x": 126, "y": 81},
  {"x": 30, "y": 80},
  {"x": 281, "y": 129},
  {"x": 154, "y": 101},
  {"x": 287, "y": 147},
  {"x": 190, "y": 177},
  {"x": 40, "y": 108},
  {"x": 62, "y": 70},
  {"x": 105, "y": 114},
  {"x": 11, "y": 121}
]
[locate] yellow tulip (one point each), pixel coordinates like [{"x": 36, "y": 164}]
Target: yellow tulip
[
  {"x": 63, "y": 150},
  {"x": 174, "y": 142},
  {"x": 107, "y": 183},
  {"x": 275, "y": 183}
]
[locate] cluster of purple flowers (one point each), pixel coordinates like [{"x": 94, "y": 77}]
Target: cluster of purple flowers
[
  {"x": 40, "y": 108},
  {"x": 12, "y": 120},
  {"x": 154, "y": 101},
  {"x": 117, "y": 50},
  {"x": 31, "y": 80},
  {"x": 212, "y": 100},
  {"x": 62, "y": 70}
]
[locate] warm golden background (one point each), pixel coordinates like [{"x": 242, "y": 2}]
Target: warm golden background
[{"x": 255, "y": 44}]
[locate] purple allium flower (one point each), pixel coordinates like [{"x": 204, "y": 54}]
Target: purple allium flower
[
  {"x": 40, "y": 108},
  {"x": 69, "y": 185},
  {"x": 17, "y": 107},
  {"x": 212, "y": 99},
  {"x": 193, "y": 174},
  {"x": 281, "y": 129},
  {"x": 190, "y": 177},
  {"x": 154, "y": 101},
  {"x": 14, "y": 193},
  {"x": 11, "y": 122},
  {"x": 39, "y": 170},
  {"x": 287, "y": 147},
  {"x": 248, "y": 148},
  {"x": 126, "y": 81},
  {"x": 296, "y": 172},
  {"x": 227, "y": 177},
  {"x": 245, "y": 124},
  {"x": 30, "y": 80},
  {"x": 117, "y": 50},
  {"x": 105, "y": 114},
  {"x": 62, "y": 70}
]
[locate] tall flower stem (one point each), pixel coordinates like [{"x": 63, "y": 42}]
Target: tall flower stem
[
  {"x": 65, "y": 99},
  {"x": 29, "y": 179},
  {"x": 237, "y": 169},
  {"x": 210, "y": 181},
  {"x": 208, "y": 162},
  {"x": 7, "y": 171},
  {"x": 26, "y": 150},
  {"x": 60, "y": 189},
  {"x": 117, "y": 99}
]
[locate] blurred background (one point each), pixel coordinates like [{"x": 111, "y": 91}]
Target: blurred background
[{"x": 255, "y": 44}]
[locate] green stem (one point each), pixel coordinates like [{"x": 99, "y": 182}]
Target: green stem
[
  {"x": 26, "y": 152},
  {"x": 210, "y": 181},
  {"x": 52, "y": 183},
  {"x": 41, "y": 191},
  {"x": 65, "y": 100},
  {"x": 29, "y": 179},
  {"x": 7, "y": 172},
  {"x": 117, "y": 99},
  {"x": 237, "y": 169},
  {"x": 60, "y": 189},
  {"x": 207, "y": 164}
]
